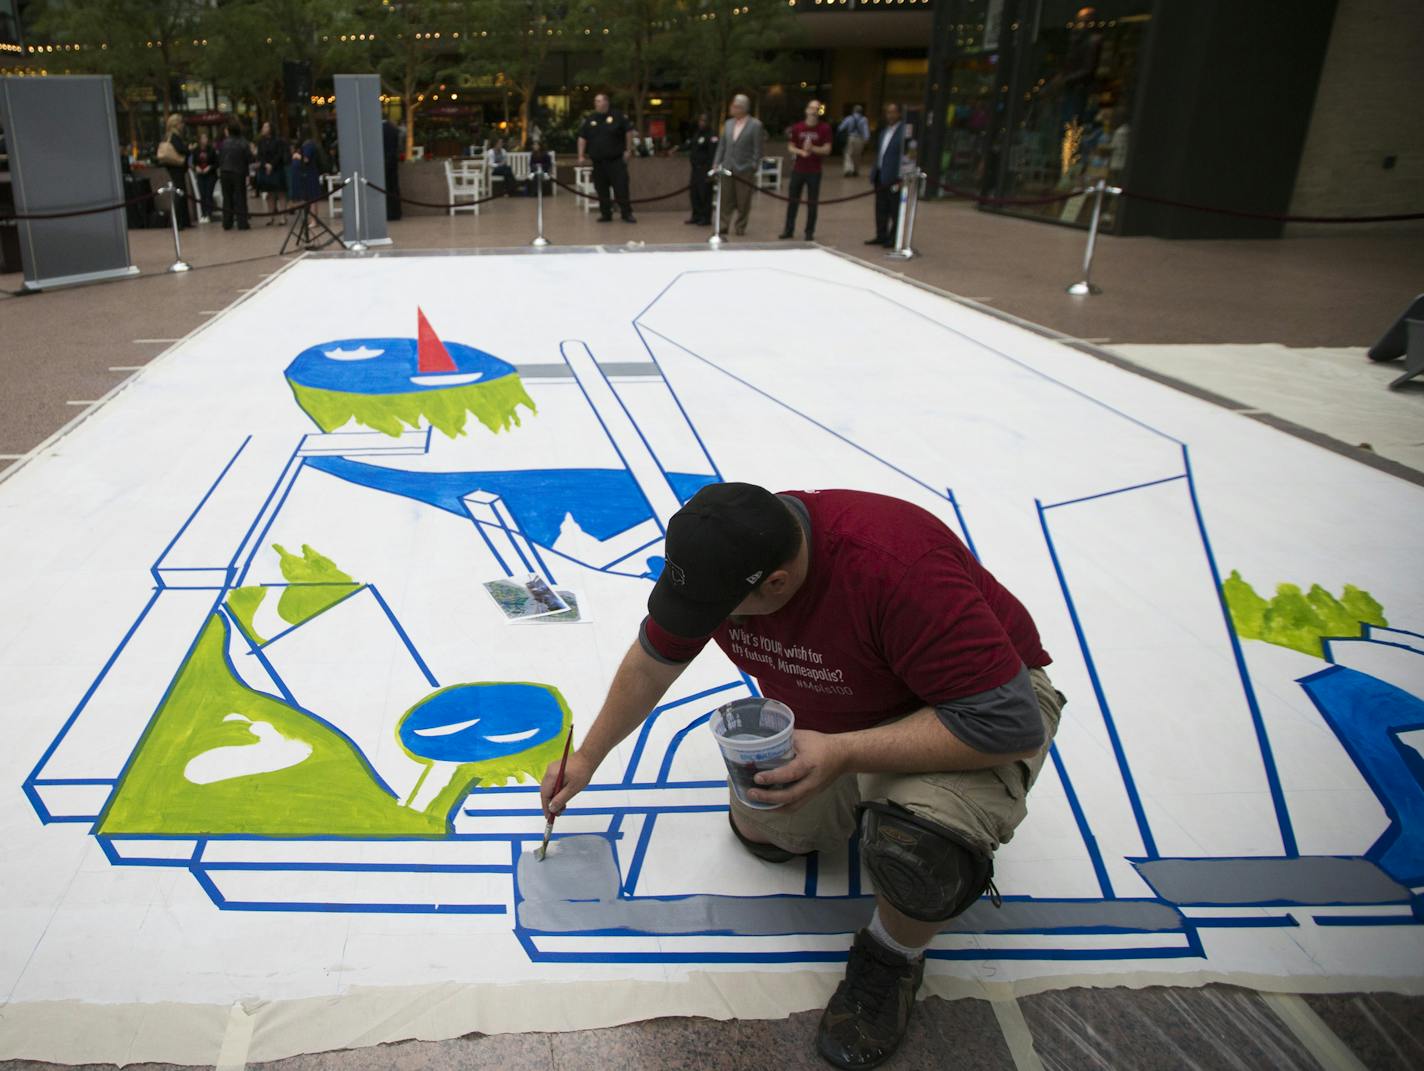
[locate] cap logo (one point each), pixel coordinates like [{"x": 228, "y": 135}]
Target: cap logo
[
  {"x": 755, "y": 576},
  {"x": 675, "y": 572}
]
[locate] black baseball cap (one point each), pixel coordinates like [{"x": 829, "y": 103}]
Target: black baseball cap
[{"x": 719, "y": 548}]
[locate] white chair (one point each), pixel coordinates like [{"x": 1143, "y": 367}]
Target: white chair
[
  {"x": 465, "y": 187},
  {"x": 553, "y": 173},
  {"x": 519, "y": 164},
  {"x": 417, "y": 152},
  {"x": 333, "y": 195},
  {"x": 768, "y": 176},
  {"x": 583, "y": 183}
]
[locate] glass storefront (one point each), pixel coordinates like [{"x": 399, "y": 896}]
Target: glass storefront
[
  {"x": 1070, "y": 120},
  {"x": 1036, "y": 98}
]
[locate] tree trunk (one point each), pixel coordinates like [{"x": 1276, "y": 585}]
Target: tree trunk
[
  {"x": 408, "y": 106},
  {"x": 524, "y": 121}
]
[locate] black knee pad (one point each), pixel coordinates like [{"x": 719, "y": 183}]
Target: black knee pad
[{"x": 925, "y": 870}]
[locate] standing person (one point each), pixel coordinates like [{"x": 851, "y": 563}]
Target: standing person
[
  {"x": 855, "y": 128},
  {"x": 234, "y": 161},
  {"x": 701, "y": 146},
  {"x": 885, "y": 174},
  {"x": 606, "y": 138},
  {"x": 271, "y": 182},
  {"x": 810, "y": 143},
  {"x": 204, "y": 162},
  {"x": 739, "y": 151},
  {"x": 306, "y": 174},
  {"x": 923, "y": 711},
  {"x": 390, "y": 152},
  {"x": 173, "y": 157}
]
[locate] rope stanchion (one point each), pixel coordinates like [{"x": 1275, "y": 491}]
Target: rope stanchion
[
  {"x": 26, "y": 217},
  {"x": 359, "y": 245},
  {"x": 716, "y": 176},
  {"x": 633, "y": 201},
  {"x": 446, "y": 205},
  {"x": 1085, "y": 287},
  {"x": 179, "y": 264},
  {"x": 821, "y": 203},
  {"x": 905, "y": 225},
  {"x": 1277, "y": 217},
  {"x": 1047, "y": 199},
  {"x": 539, "y": 241}
]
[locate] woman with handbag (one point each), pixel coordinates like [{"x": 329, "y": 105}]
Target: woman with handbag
[{"x": 173, "y": 158}]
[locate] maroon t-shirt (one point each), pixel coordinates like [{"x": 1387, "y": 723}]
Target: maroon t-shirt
[
  {"x": 804, "y": 136},
  {"x": 895, "y": 614}
]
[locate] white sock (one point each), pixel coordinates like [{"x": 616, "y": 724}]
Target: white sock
[{"x": 882, "y": 935}]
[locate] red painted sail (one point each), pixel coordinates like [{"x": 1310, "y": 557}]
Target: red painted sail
[{"x": 430, "y": 353}]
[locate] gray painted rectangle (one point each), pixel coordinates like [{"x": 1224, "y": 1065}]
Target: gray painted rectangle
[
  {"x": 1312, "y": 880},
  {"x": 358, "y": 135},
  {"x": 577, "y": 889},
  {"x": 58, "y": 166}
]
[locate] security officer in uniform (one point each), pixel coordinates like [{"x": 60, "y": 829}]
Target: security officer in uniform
[
  {"x": 701, "y": 147},
  {"x": 606, "y": 138}
]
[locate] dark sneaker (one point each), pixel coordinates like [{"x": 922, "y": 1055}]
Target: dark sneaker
[
  {"x": 786, "y": 234},
  {"x": 630, "y": 218},
  {"x": 866, "y": 1018},
  {"x": 875, "y": 241},
  {"x": 605, "y": 219},
  {"x": 767, "y": 853}
]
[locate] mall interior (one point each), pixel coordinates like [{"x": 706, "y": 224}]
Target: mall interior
[{"x": 1211, "y": 208}]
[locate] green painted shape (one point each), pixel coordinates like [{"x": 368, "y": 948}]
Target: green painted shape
[
  {"x": 317, "y": 584},
  {"x": 242, "y": 603},
  {"x": 1300, "y": 620},
  {"x": 332, "y": 792},
  {"x": 494, "y": 404}
]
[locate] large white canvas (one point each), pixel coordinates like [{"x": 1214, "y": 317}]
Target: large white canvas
[{"x": 1203, "y": 816}]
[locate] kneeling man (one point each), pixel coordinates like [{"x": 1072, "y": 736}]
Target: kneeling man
[{"x": 923, "y": 712}]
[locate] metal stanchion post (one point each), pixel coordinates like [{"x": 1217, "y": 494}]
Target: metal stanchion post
[
  {"x": 716, "y": 176},
  {"x": 539, "y": 241},
  {"x": 1085, "y": 285},
  {"x": 909, "y": 204},
  {"x": 179, "y": 264},
  {"x": 359, "y": 245}
]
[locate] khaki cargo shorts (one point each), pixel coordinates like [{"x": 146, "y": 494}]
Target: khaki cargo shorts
[{"x": 986, "y": 806}]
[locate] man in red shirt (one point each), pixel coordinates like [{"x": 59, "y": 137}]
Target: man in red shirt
[
  {"x": 922, "y": 710},
  {"x": 810, "y": 143}
]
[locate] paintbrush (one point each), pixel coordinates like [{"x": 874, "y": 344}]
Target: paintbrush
[{"x": 558, "y": 787}]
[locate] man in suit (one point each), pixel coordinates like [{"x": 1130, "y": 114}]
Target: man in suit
[
  {"x": 739, "y": 151},
  {"x": 889, "y": 147}
]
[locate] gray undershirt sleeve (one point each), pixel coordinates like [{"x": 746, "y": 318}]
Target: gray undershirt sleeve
[{"x": 1002, "y": 720}]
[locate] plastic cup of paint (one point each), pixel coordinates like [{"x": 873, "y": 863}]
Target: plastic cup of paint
[{"x": 754, "y": 735}]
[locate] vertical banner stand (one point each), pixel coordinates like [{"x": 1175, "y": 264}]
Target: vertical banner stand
[{"x": 905, "y": 225}]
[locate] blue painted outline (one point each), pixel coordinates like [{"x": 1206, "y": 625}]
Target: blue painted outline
[
  {"x": 40, "y": 808},
  {"x": 959, "y": 516},
  {"x": 604, "y": 425},
  {"x": 1263, "y": 740},
  {"x": 158, "y": 562},
  {"x": 1119, "y": 753}
]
